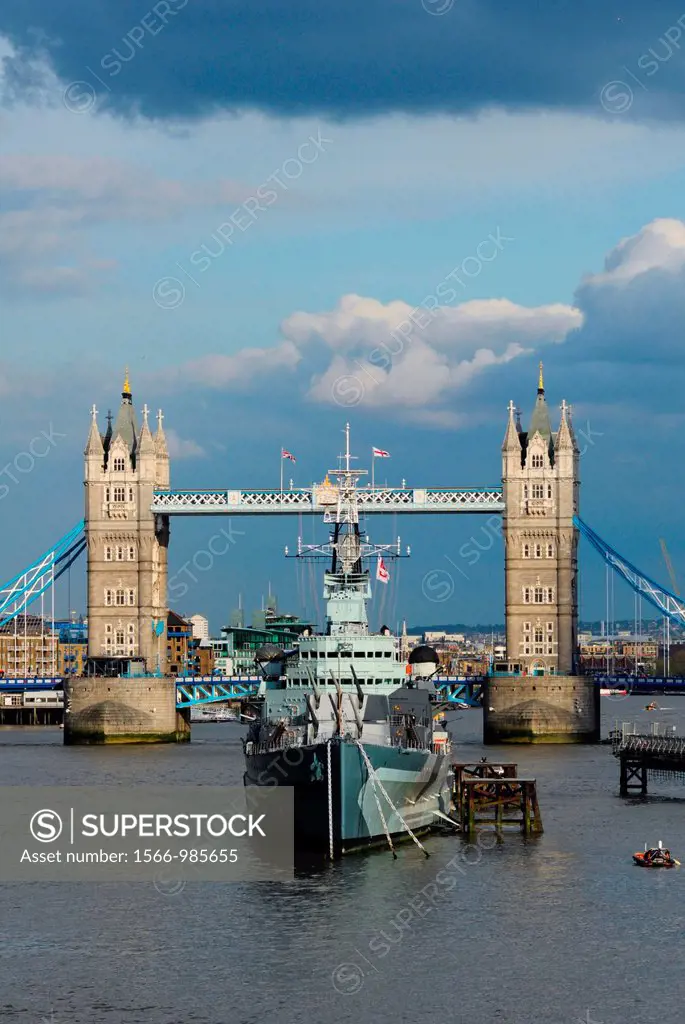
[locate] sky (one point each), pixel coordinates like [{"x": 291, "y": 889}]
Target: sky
[{"x": 242, "y": 204}]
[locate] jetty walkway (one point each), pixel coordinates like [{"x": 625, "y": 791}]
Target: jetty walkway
[{"x": 661, "y": 753}]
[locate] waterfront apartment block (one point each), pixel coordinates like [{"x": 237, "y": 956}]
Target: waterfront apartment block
[
  {"x": 187, "y": 654},
  {"x": 619, "y": 655},
  {"x": 28, "y": 647}
]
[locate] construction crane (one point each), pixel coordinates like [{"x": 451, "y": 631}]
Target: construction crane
[{"x": 669, "y": 566}]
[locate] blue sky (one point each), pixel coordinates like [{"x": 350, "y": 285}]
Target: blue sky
[{"x": 350, "y": 170}]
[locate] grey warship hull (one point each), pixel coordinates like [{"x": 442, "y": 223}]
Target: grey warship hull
[{"x": 339, "y": 807}]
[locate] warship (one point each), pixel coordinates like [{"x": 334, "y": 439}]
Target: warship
[{"x": 346, "y": 719}]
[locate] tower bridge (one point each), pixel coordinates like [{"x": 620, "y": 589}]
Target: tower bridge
[{"x": 129, "y": 502}]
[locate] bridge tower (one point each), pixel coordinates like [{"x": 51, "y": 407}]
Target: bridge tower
[
  {"x": 127, "y": 543},
  {"x": 540, "y": 488},
  {"x": 540, "y": 699}
]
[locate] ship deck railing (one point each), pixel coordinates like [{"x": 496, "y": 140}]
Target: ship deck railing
[
  {"x": 401, "y": 720},
  {"x": 433, "y": 748},
  {"x": 252, "y": 748}
]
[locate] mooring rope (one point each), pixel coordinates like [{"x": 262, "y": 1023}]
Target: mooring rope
[
  {"x": 376, "y": 781},
  {"x": 330, "y": 801},
  {"x": 378, "y": 805}
]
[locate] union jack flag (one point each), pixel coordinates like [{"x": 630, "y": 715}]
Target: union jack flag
[{"x": 285, "y": 454}]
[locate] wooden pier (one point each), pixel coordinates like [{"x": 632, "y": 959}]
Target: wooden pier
[
  {"x": 493, "y": 796},
  {"x": 660, "y": 754}
]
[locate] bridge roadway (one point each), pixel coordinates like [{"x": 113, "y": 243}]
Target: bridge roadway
[
  {"x": 645, "y": 685},
  {"x": 319, "y": 498},
  {"x": 454, "y": 689},
  {"x": 192, "y": 691}
]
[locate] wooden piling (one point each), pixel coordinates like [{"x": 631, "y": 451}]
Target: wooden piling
[
  {"x": 498, "y": 803},
  {"x": 478, "y": 770}
]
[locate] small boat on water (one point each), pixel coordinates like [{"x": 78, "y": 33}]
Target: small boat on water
[
  {"x": 653, "y": 706},
  {"x": 656, "y": 857},
  {"x": 612, "y": 692}
]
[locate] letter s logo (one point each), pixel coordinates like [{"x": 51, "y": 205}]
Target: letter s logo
[{"x": 46, "y": 826}]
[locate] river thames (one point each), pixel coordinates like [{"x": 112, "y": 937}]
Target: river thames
[{"x": 560, "y": 928}]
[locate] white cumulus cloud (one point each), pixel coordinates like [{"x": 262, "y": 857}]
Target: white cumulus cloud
[
  {"x": 659, "y": 245},
  {"x": 226, "y": 371},
  {"x": 635, "y": 307},
  {"x": 396, "y": 354},
  {"x": 388, "y": 355},
  {"x": 182, "y": 448}
]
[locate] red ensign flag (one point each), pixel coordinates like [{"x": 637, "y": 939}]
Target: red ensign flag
[{"x": 382, "y": 573}]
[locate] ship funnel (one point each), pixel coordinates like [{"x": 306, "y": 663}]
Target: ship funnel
[{"x": 423, "y": 662}]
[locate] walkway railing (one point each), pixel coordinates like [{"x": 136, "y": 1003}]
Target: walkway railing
[
  {"x": 316, "y": 500},
  {"x": 669, "y": 746}
]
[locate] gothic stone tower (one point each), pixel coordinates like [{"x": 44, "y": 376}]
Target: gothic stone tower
[
  {"x": 127, "y": 543},
  {"x": 540, "y": 483},
  {"x": 540, "y": 699}
]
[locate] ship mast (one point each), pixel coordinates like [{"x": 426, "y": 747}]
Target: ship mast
[
  {"x": 347, "y": 587},
  {"x": 346, "y": 537}
]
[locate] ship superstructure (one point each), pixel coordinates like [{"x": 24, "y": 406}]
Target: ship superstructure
[{"x": 344, "y": 719}]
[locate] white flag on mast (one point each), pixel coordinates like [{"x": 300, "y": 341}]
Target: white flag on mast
[{"x": 380, "y": 453}]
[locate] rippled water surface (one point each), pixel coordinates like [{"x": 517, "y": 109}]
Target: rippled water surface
[{"x": 557, "y": 929}]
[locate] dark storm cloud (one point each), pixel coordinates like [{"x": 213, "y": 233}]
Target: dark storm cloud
[
  {"x": 628, "y": 352},
  {"x": 352, "y": 58},
  {"x": 633, "y": 307}
]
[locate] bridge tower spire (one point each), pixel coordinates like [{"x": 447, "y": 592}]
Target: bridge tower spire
[
  {"x": 127, "y": 543},
  {"x": 540, "y": 488}
]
